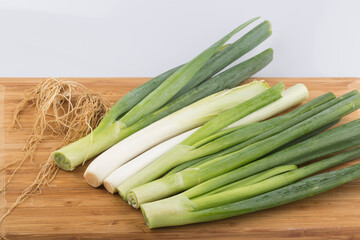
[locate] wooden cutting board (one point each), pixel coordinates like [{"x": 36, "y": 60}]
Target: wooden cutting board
[{"x": 71, "y": 209}]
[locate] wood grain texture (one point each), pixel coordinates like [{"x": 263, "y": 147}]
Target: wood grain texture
[{"x": 71, "y": 209}]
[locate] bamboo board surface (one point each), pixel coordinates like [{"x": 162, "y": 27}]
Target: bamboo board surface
[{"x": 71, "y": 209}]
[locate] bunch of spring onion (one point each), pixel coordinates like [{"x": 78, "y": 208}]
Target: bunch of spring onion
[
  {"x": 171, "y": 91},
  {"x": 263, "y": 170},
  {"x": 219, "y": 154}
]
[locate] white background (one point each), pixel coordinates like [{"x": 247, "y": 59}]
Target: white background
[{"x": 108, "y": 38}]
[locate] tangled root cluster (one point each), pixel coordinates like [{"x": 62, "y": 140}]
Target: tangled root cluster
[{"x": 62, "y": 109}]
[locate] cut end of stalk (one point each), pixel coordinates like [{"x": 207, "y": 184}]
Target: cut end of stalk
[
  {"x": 92, "y": 179},
  {"x": 132, "y": 200},
  {"x": 171, "y": 211},
  {"x": 109, "y": 187},
  {"x": 270, "y": 29},
  {"x": 62, "y": 162},
  {"x": 145, "y": 217},
  {"x": 300, "y": 87}
]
